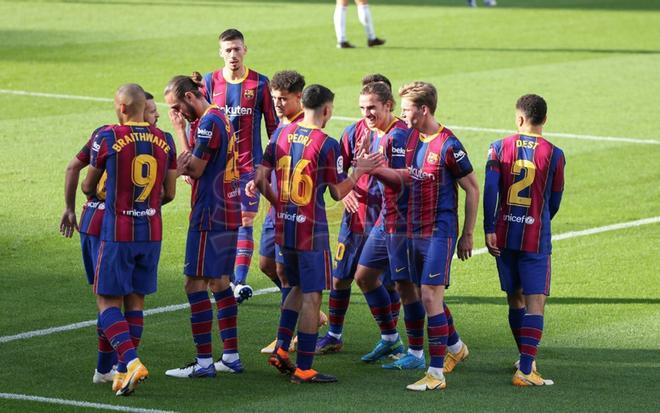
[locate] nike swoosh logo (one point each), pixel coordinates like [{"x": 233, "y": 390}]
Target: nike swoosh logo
[
  {"x": 280, "y": 254},
  {"x": 186, "y": 264},
  {"x": 253, "y": 203},
  {"x": 409, "y": 150},
  {"x": 433, "y": 275},
  {"x": 400, "y": 269},
  {"x": 217, "y": 94}
]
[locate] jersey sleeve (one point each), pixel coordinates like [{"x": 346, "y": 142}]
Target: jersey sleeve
[
  {"x": 558, "y": 178},
  {"x": 99, "y": 152},
  {"x": 207, "y": 90},
  {"x": 493, "y": 158},
  {"x": 396, "y": 151},
  {"x": 334, "y": 162},
  {"x": 268, "y": 110},
  {"x": 268, "y": 159},
  {"x": 171, "y": 156},
  {"x": 347, "y": 144},
  {"x": 208, "y": 137},
  {"x": 491, "y": 188},
  {"x": 456, "y": 159},
  {"x": 84, "y": 154}
]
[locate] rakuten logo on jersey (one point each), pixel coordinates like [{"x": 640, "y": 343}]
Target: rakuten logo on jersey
[
  {"x": 237, "y": 111},
  {"x": 292, "y": 217},
  {"x": 398, "y": 151},
  {"x": 149, "y": 212},
  {"x": 420, "y": 175},
  {"x": 524, "y": 219}
]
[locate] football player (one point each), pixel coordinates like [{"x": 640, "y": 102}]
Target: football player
[{"x": 364, "y": 15}]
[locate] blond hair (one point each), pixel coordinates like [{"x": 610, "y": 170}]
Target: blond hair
[{"x": 421, "y": 94}]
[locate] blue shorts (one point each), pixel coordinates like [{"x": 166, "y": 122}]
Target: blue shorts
[
  {"x": 124, "y": 268},
  {"x": 267, "y": 246},
  {"x": 309, "y": 270},
  {"x": 526, "y": 270},
  {"x": 210, "y": 254},
  {"x": 385, "y": 251},
  {"x": 248, "y": 204},
  {"x": 90, "y": 249},
  {"x": 349, "y": 248},
  {"x": 430, "y": 259}
]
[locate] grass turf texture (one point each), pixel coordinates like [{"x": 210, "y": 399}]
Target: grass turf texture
[{"x": 592, "y": 62}]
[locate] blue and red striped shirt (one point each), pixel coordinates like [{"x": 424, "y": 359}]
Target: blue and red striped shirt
[
  {"x": 369, "y": 193},
  {"x": 435, "y": 163},
  {"x": 245, "y": 102},
  {"x": 529, "y": 179},
  {"x": 215, "y": 197},
  {"x": 136, "y": 157},
  {"x": 306, "y": 160},
  {"x": 91, "y": 216}
]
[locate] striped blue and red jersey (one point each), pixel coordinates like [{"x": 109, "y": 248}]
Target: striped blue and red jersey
[
  {"x": 245, "y": 102},
  {"x": 392, "y": 144},
  {"x": 269, "y": 221},
  {"x": 435, "y": 163},
  {"x": 136, "y": 157},
  {"x": 215, "y": 197},
  {"x": 529, "y": 182},
  {"x": 91, "y": 216},
  {"x": 306, "y": 160},
  {"x": 369, "y": 193}
]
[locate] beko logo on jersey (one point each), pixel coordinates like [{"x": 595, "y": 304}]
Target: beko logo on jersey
[
  {"x": 204, "y": 133},
  {"x": 149, "y": 212},
  {"x": 398, "y": 152},
  {"x": 420, "y": 175},
  {"x": 524, "y": 219},
  {"x": 96, "y": 147},
  {"x": 299, "y": 218},
  {"x": 459, "y": 155},
  {"x": 237, "y": 110}
]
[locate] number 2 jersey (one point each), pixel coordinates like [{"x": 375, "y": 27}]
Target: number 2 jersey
[
  {"x": 526, "y": 172},
  {"x": 136, "y": 157},
  {"x": 306, "y": 160}
]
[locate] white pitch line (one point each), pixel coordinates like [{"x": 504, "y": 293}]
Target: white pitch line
[
  {"x": 77, "y": 403},
  {"x": 350, "y": 119},
  {"x": 176, "y": 307}
]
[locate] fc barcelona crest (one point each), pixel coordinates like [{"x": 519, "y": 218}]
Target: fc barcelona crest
[
  {"x": 432, "y": 158},
  {"x": 248, "y": 94}
]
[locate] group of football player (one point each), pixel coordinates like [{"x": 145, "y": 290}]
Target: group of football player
[{"x": 398, "y": 179}]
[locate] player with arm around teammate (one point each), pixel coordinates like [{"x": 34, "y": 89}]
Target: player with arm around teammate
[
  {"x": 140, "y": 161},
  {"x": 522, "y": 193},
  {"x": 437, "y": 164}
]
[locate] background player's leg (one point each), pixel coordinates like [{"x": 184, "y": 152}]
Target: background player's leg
[
  {"x": 227, "y": 324},
  {"x": 339, "y": 19},
  {"x": 201, "y": 319},
  {"x": 531, "y": 331},
  {"x": 364, "y": 15},
  {"x": 516, "y": 313},
  {"x": 433, "y": 299}
]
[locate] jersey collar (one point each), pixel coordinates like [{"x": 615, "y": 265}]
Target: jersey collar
[
  {"x": 209, "y": 108},
  {"x": 131, "y": 123},
  {"x": 429, "y": 138},
  {"x": 247, "y": 72}
]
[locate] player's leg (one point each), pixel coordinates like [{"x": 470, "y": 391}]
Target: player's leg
[
  {"x": 339, "y": 20},
  {"x": 245, "y": 242},
  {"x": 457, "y": 351},
  {"x": 364, "y": 15}
]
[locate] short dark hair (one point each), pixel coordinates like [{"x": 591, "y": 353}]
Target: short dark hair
[
  {"x": 180, "y": 85},
  {"x": 380, "y": 90},
  {"x": 376, "y": 77},
  {"x": 315, "y": 96},
  {"x": 288, "y": 80},
  {"x": 148, "y": 95},
  {"x": 231, "y": 34},
  {"x": 533, "y": 107}
]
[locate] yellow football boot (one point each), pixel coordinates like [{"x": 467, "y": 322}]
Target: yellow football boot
[
  {"x": 452, "y": 359},
  {"x": 428, "y": 382},
  {"x": 521, "y": 379},
  {"x": 136, "y": 374},
  {"x": 269, "y": 348},
  {"x": 117, "y": 381}
]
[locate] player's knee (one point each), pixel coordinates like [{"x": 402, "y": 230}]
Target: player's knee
[
  {"x": 267, "y": 266},
  {"x": 341, "y": 284},
  {"x": 247, "y": 219}
]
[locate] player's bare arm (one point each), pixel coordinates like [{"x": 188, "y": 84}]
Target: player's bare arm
[
  {"x": 68, "y": 223},
  {"x": 263, "y": 184},
  {"x": 465, "y": 243},
  {"x": 91, "y": 181},
  {"x": 169, "y": 186}
]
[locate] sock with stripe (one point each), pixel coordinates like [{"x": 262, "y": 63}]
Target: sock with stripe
[
  {"x": 437, "y": 330},
  {"x": 115, "y": 328},
  {"x": 338, "y": 305},
  {"x": 454, "y": 342},
  {"x": 515, "y": 322},
  {"x": 107, "y": 356},
  {"x": 288, "y": 320},
  {"x": 413, "y": 315},
  {"x": 378, "y": 300},
  {"x": 305, "y": 350},
  {"x": 227, "y": 312},
  {"x": 201, "y": 320},
  {"x": 285, "y": 293},
  {"x": 244, "y": 250},
  {"x": 135, "y": 320},
  {"x": 395, "y": 305},
  {"x": 530, "y": 336}
]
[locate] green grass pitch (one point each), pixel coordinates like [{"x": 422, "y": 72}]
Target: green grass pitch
[{"x": 596, "y": 63}]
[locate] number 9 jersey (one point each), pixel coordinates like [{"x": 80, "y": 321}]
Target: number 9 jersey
[
  {"x": 136, "y": 157},
  {"x": 527, "y": 173},
  {"x": 306, "y": 161}
]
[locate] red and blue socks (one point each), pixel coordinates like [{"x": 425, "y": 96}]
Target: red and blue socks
[
  {"x": 395, "y": 305},
  {"x": 115, "y": 328},
  {"x": 530, "y": 336},
  {"x": 414, "y": 315},
  {"x": 378, "y": 300},
  {"x": 288, "y": 320},
  {"x": 201, "y": 320},
  {"x": 227, "y": 314},
  {"x": 107, "y": 356},
  {"x": 454, "y": 342},
  {"x": 244, "y": 250},
  {"x": 135, "y": 320},
  {"x": 306, "y": 347},
  {"x": 437, "y": 330},
  {"x": 338, "y": 305},
  {"x": 515, "y": 322}
]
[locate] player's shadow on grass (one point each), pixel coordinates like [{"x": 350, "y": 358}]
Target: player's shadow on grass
[
  {"x": 552, "y": 300},
  {"x": 526, "y": 50}
]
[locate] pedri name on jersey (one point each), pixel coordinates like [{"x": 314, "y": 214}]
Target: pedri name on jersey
[{"x": 139, "y": 137}]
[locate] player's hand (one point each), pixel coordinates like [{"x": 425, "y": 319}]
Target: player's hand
[
  {"x": 183, "y": 161},
  {"x": 251, "y": 189},
  {"x": 465, "y": 243},
  {"x": 68, "y": 223},
  {"x": 350, "y": 202},
  {"x": 187, "y": 179},
  {"x": 177, "y": 119},
  {"x": 368, "y": 162},
  {"x": 491, "y": 244}
]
